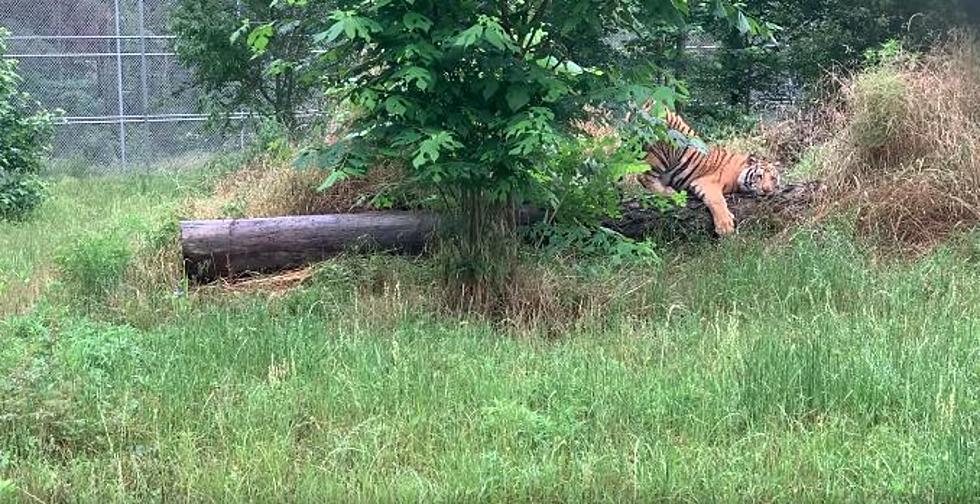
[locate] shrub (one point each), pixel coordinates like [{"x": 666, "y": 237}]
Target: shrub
[
  {"x": 94, "y": 265},
  {"x": 53, "y": 373},
  {"x": 877, "y": 108},
  {"x": 19, "y": 196},
  {"x": 905, "y": 158},
  {"x": 23, "y": 142}
]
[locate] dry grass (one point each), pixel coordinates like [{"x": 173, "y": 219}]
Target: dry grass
[
  {"x": 905, "y": 151},
  {"x": 553, "y": 298},
  {"x": 19, "y": 296},
  {"x": 274, "y": 285},
  {"x": 270, "y": 187}
]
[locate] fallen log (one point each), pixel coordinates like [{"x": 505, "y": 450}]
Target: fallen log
[
  {"x": 237, "y": 247},
  {"x": 694, "y": 220}
]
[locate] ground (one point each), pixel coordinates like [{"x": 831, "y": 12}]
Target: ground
[{"x": 803, "y": 369}]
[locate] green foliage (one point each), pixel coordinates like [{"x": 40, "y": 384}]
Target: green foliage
[
  {"x": 20, "y": 196},
  {"x": 55, "y": 373},
  {"x": 353, "y": 387},
  {"x": 821, "y": 35},
  {"x": 94, "y": 265},
  {"x": 813, "y": 37},
  {"x": 579, "y": 182},
  {"x": 888, "y": 52},
  {"x": 25, "y": 132},
  {"x": 604, "y": 244},
  {"x": 478, "y": 96},
  {"x": 277, "y": 80},
  {"x": 580, "y": 187}
]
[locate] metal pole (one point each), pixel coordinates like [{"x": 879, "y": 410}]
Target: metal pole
[
  {"x": 119, "y": 89},
  {"x": 145, "y": 95}
]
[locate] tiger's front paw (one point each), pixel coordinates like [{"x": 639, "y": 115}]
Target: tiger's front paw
[{"x": 725, "y": 224}]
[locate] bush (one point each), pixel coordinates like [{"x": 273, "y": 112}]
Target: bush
[
  {"x": 53, "y": 374},
  {"x": 23, "y": 142},
  {"x": 877, "y": 107},
  {"x": 94, "y": 265},
  {"x": 20, "y": 196},
  {"x": 905, "y": 158}
]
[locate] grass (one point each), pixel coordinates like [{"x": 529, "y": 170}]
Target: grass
[
  {"x": 96, "y": 207},
  {"x": 803, "y": 371}
]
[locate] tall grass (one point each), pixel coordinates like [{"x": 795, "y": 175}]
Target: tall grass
[
  {"x": 806, "y": 372},
  {"x": 905, "y": 150},
  {"x": 81, "y": 210},
  {"x": 735, "y": 371}
]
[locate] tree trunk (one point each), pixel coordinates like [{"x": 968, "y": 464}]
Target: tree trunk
[
  {"x": 238, "y": 247},
  {"x": 234, "y": 248}
]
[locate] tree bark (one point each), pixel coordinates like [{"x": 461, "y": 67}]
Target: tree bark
[{"x": 239, "y": 247}]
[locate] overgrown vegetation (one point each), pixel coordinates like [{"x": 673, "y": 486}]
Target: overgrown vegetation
[
  {"x": 786, "y": 368},
  {"x": 729, "y": 371},
  {"x": 733, "y": 80},
  {"x": 476, "y": 96},
  {"x": 903, "y": 148},
  {"x": 24, "y": 135}
]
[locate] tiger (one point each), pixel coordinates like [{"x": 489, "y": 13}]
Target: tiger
[{"x": 708, "y": 175}]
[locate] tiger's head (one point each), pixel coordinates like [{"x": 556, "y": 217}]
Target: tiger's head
[{"x": 760, "y": 176}]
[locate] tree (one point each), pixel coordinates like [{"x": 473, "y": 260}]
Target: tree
[
  {"x": 25, "y": 132},
  {"x": 817, "y": 36},
  {"x": 238, "y": 68},
  {"x": 478, "y": 95}
]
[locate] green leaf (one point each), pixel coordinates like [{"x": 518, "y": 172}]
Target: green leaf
[
  {"x": 396, "y": 105},
  {"x": 681, "y": 6},
  {"x": 332, "y": 179},
  {"x": 414, "y": 21},
  {"x": 349, "y": 24},
  {"x": 571, "y": 68},
  {"x": 720, "y": 11},
  {"x": 258, "y": 39},
  {"x": 517, "y": 97},
  {"x": 743, "y": 24},
  {"x": 469, "y": 36},
  {"x": 490, "y": 88},
  {"x": 367, "y": 98},
  {"x": 535, "y": 38},
  {"x": 422, "y": 77},
  {"x": 424, "y": 51},
  {"x": 620, "y": 170},
  {"x": 431, "y": 148},
  {"x": 242, "y": 30},
  {"x": 495, "y": 35},
  {"x": 330, "y": 34},
  {"x": 405, "y": 138}
]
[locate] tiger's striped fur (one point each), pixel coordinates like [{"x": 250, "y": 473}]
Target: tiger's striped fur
[{"x": 709, "y": 176}]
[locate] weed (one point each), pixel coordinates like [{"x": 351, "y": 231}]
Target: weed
[
  {"x": 94, "y": 265},
  {"x": 905, "y": 156}
]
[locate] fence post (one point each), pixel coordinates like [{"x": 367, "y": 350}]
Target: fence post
[
  {"x": 119, "y": 89},
  {"x": 145, "y": 93}
]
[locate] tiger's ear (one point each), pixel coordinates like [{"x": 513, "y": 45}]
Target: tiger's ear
[{"x": 753, "y": 160}]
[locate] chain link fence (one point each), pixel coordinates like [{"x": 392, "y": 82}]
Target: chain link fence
[{"x": 108, "y": 65}]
